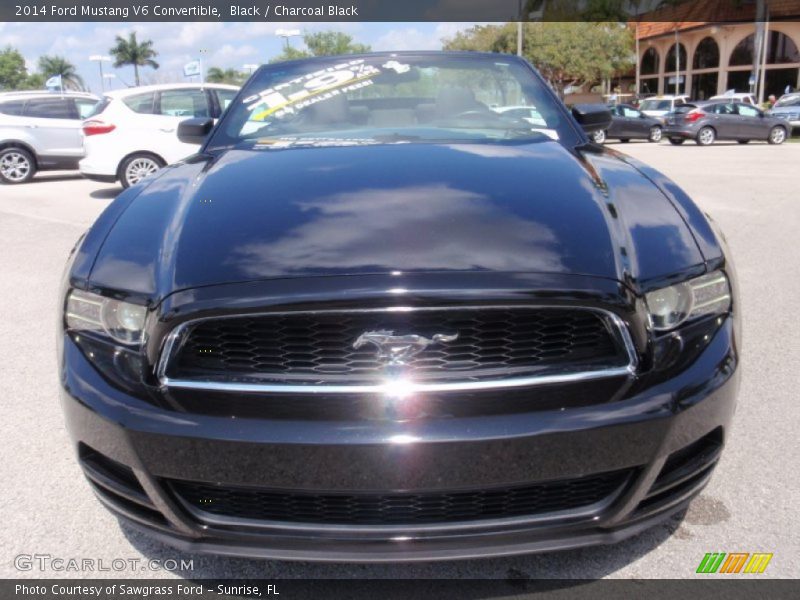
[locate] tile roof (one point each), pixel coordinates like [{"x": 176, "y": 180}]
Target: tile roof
[{"x": 690, "y": 15}]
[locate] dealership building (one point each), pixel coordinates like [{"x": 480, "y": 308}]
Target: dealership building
[{"x": 680, "y": 53}]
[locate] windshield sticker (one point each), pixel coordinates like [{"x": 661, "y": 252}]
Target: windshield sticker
[{"x": 311, "y": 88}]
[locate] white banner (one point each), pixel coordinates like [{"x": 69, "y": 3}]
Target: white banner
[{"x": 191, "y": 68}]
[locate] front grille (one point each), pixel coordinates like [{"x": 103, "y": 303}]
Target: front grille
[
  {"x": 397, "y": 508},
  {"x": 319, "y": 346}
]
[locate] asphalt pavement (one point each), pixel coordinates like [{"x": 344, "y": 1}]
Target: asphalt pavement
[{"x": 750, "y": 505}]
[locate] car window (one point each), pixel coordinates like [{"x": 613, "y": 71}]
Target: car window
[
  {"x": 678, "y": 101},
  {"x": 141, "y": 103},
  {"x": 746, "y": 110},
  {"x": 98, "y": 107},
  {"x": 51, "y": 108},
  {"x": 630, "y": 112},
  {"x": 788, "y": 101},
  {"x": 184, "y": 103},
  {"x": 12, "y": 107},
  {"x": 225, "y": 97},
  {"x": 655, "y": 104},
  {"x": 85, "y": 106},
  {"x": 723, "y": 109}
]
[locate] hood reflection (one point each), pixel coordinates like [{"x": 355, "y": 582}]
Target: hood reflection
[{"x": 393, "y": 228}]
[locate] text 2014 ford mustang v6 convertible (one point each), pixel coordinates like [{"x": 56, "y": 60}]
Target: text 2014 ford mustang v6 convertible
[{"x": 375, "y": 318}]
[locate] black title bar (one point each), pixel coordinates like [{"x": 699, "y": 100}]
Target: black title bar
[
  {"x": 395, "y": 10},
  {"x": 397, "y": 589}
]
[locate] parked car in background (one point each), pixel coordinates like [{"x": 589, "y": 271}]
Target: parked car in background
[
  {"x": 131, "y": 134},
  {"x": 528, "y": 113},
  {"x": 629, "y": 123},
  {"x": 41, "y": 131},
  {"x": 737, "y": 97},
  {"x": 706, "y": 122},
  {"x": 787, "y": 108},
  {"x": 658, "y": 106}
]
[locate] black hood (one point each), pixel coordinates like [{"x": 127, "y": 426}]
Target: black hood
[{"x": 250, "y": 214}]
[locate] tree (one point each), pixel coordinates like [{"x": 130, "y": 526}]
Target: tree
[
  {"x": 50, "y": 66},
  {"x": 132, "y": 52},
  {"x": 34, "y": 81},
  {"x": 331, "y": 43},
  {"x": 290, "y": 53},
  {"x": 323, "y": 43},
  {"x": 577, "y": 53},
  {"x": 231, "y": 76},
  {"x": 12, "y": 69}
]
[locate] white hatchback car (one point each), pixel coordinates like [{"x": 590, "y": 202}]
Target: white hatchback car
[{"x": 133, "y": 133}]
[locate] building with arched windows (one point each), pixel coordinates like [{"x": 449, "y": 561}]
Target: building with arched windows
[{"x": 703, "y": 59}]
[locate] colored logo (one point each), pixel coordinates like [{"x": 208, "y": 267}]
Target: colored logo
[{"x": 734, "y": 562}]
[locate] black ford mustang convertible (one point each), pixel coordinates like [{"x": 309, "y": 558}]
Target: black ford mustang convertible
[{"x": 375, "y": 318}]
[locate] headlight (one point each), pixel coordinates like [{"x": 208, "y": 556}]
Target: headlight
[
  {"x": 121, "y": 321},
  {"x": 705, "y": 295}
]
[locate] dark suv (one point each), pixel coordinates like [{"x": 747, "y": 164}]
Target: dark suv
[{"x": 41, "y": 131}]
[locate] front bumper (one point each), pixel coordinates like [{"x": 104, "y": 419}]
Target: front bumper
[{"x": 666, "y": 436}]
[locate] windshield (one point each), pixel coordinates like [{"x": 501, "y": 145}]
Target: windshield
[
  {"x": 391, "y": 99},
  {"x": 788, "y": 101},
  {"x": 653, "y": 104}
]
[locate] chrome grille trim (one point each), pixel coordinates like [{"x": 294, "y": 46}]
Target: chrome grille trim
[{"x": 395, "y": 388}]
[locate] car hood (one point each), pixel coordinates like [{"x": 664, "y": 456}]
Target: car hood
[{"x": 249, "y": 214}]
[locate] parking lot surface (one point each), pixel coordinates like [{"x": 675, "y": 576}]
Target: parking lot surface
[{"x": 751, "y": 504}]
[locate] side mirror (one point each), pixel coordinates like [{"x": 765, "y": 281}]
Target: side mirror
[
  {"x": 194, "y": 131},
  {"x": 592, "y": 117}
]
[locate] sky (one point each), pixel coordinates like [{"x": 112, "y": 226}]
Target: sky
[{"x": 225, "y": 44}]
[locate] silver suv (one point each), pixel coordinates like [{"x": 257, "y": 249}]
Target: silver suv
[{"x": 41, "y": 131}]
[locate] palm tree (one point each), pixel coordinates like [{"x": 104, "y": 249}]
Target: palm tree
[
  {"x": 131, "y": 52},
  {"x": 217, "y": 75},
  {"x": 50, "y": 66}
]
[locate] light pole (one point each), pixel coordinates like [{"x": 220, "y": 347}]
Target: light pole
[
  {"x": 202, "y": 73},
  {"x": 286, "y": 34},
  {"x": 109, "y": 76},
  {"x": 250, "y": 68},
  {"x": 99, "y": 59},
  {"x": 677, "y": 62}
]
